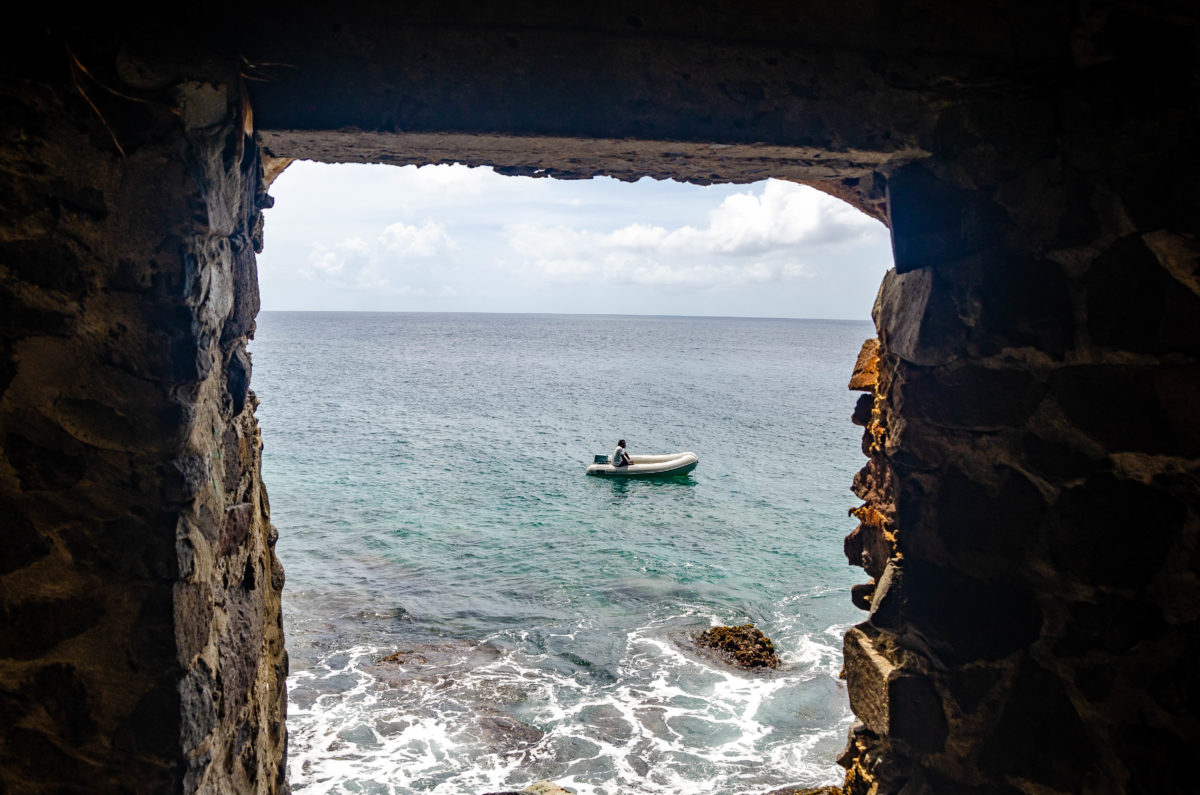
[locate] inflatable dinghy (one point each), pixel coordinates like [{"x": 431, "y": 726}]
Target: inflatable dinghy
[{"x": 646, "y": 466}]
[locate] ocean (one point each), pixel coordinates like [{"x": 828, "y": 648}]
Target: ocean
[{"x": 466, "y": 612}]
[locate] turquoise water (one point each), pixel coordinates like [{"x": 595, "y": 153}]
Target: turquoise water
[{"x": 426, "y": 477}]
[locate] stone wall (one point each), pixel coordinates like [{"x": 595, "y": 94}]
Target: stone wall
[
  {"x": 1029, "y": 516},
  {"x": 1030, "y": 520},
  {"x": 142, "y": 646}
]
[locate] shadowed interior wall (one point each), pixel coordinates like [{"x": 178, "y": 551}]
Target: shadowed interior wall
[
  {"x": 142, "y": 646},
  {"x": 1029, "y": 514}
]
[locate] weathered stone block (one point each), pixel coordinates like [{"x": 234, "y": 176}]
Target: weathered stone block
[
  {"x": 887, "y": 603},
  {"x": 41, "y": 467},
  {"x": 917, "y": 319},
  {"x": 21, "y": 320},
  {"x": 200, "y": 696},
  {"x": 861, "y": 595},
  {"x": 970, "y": 397},
  {"x": 862, "y": 410},
  {"x": 277, "y": 575},
  {"x": 867, "y": 674},
  {"x": 1058, "y": 461},
  {"x": 891, "y": 701},
  {"x": 236, "y": 527},
  {"x": 971, "y": 685},
  {"x": 1088, "y": 531},
  {"x": 995, "y": 136},
  {"x": 1134, "y": 304},
  {"x": 47, "y": 262},
  {"x": 964, "y": 619},
  {"x": 997, "y": 523},
  {"x": 1133, "y": 408},
  {"x": 917, "y": 717},
  {"x": 141, "y": 546},
  {"x": 154, "y": 722},
  {"x": 36, "y": 625},
  {"x": 1179, "y": 254},
  {"x": 194, "y": 610},
  {"x": 1039, "y": 735},
  {"x": 1110, "y": 624},
  {"x": 237, "y": 380},
  {"x": 1024, "y": 302},
  {"x": 869, "y": 545},
  {"x": 933, "y": 221},
  {"x": 63, "y": 695},
  {"x": 33, "y": 756},
  {"x": 246, "y": 300},
  {"x": 866, "y": 368}
]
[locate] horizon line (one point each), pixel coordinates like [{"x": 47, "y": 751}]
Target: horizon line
[{"x": 556, "y": 314}]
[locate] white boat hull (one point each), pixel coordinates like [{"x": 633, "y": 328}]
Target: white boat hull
[{"x": 648, "y": 466}]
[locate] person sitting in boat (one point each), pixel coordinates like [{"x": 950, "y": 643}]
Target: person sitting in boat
[{"x": 619, "y": 458}]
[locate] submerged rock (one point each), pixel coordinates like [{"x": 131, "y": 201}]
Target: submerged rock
[
  {"x": 540, "y": 788},
  {"x": 507, "y": 732},
  {"x": 744, "y": 646},
  {"x": 433, "y": 663},
  {"x": 545, "y": 788}
]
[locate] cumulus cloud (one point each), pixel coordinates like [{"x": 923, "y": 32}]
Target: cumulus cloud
[
  {"x": 392, "y": 238},
  {"x": 385, "y": 264},
  {"x": 425, "y": 240},
  {"x": 443, "y": 183},
  {"x": 750, "y": 238}
]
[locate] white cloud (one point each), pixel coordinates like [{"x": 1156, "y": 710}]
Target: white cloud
[
  {"x": 425, "y": 240},
  {"x": 384, "y": 265},
  {"x": 448, "y": 236},
  {"x": 750, "y": 238},
  {"x": 445, "y": 183},
  {"x": 346, "y": 260}
]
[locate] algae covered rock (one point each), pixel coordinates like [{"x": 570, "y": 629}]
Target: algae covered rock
[
  {"x": 538, "y": 788},
  {"x": 745, "y": 646},
  {"x": 545, "y": 788}
]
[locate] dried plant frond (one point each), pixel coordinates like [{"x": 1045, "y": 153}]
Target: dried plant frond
[
  {"x": 79, "y": 65},
  {"x": 245, "y": 118},
  {"x": 251, "y": 69},
  {"x": 76, "y": 66}
]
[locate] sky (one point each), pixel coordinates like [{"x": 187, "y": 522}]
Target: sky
[{"x": 449, "y": 238}]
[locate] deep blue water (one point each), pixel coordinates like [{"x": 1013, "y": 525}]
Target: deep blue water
[{"x": 426, "y": 476}]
